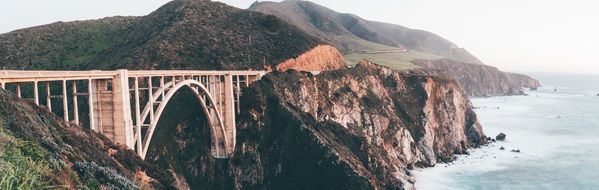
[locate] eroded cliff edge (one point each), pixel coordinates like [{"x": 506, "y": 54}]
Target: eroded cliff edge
[
  {"x": 319, "y": 58},
  {"x": 356, "y": 128},
  {"x": 523, "y": 80},
  {"x": 478, "y": 80}
]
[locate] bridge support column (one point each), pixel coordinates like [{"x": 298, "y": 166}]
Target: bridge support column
[
  {"x": 229, "y": 113},
  {"x": 65, "y": 101},
  {"x": 123, "y": 123},
  {"x": 36, "y": 95},
  {"x": 75, "y": 103},
  {"x": 19, "y": 90},
  {"x": 138, "y": 122},
  {"x": 91, "y": 97},
  {"x": 48, "y": 96}
]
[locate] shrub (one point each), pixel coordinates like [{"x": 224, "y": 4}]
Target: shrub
[{"x": 23, "y": 165}]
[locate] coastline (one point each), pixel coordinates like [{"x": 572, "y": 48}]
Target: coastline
[{"x": 539, "y": 126}]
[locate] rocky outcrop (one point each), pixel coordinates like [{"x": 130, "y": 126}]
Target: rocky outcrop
[
  {"x": 523, "y": 80},
  {"x": 477, "y": 80},
  {"x": 66, "y": 157},
  {"x": 354, "y": 128},
  {"x": 320, "y": 58}
]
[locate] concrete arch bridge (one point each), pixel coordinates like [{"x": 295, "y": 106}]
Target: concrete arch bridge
[{"x": 126, "y": 105}]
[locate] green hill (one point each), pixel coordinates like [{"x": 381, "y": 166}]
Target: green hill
[{"x": 186, "y": 34}]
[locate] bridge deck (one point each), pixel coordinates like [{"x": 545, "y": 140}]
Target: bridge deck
[{"x": 8, "y": 76}]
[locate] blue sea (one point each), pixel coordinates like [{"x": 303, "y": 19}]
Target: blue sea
[{"x": 557, "y": 133}]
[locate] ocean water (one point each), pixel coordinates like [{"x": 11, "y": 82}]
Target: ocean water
[{"x": 557, "y": 133}]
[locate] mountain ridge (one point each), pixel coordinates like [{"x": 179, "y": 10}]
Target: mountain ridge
[
  {"x": 182, "y": 34},
  {"x": 331, "y": 25}
]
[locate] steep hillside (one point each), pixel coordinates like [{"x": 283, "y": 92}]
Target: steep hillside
[
  {"x": 188, "y": 34},
  {"x": 38, "y": 151},
  {"x": 61, "y": 45},
  {"x": 352, "y": 34}
]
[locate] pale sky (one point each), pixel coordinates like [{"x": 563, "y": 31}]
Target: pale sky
[{"x": 514, "y": 35}]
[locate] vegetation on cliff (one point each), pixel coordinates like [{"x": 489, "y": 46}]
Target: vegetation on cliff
[
  {"x": 39, "y": 151},
  {"x": 23, "y": 165}
]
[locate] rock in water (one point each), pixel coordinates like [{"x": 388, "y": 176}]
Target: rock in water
[
  {"x": 502, "y": 148},
  {"x": 500, "y": 137},
  {"x": 516, "y": 150}
]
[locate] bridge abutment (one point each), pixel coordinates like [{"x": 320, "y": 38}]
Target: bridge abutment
[{"x": 112, "y": 108}]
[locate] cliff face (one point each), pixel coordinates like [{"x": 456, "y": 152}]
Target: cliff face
[
  {"x": 320, "y": 58},
  {"x": 37, "y": 150},
  {"x": 353, "y": 128},
  {"x": 523, "y": 80},
  {"x": 477, "y": 80}
]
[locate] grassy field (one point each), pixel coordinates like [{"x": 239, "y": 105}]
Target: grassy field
[
  {"x": 393, "y": 60},
  {"x": 392, "y": 57}
]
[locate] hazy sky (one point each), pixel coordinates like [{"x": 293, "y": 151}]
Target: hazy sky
[{"x": 514, "y": 35}]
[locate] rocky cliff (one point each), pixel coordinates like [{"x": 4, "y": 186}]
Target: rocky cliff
[
  {"x": 477, "y": 80},
  {"x": 363, "y": 127},
  {"x": 38, "y": 151},
  {"x": 353, "y": 128},
  {"x": 320, "y": 58},
  {"x": 523, "y": 80}
]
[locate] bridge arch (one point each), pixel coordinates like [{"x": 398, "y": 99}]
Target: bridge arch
[{"x": 208, "y": 106}]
